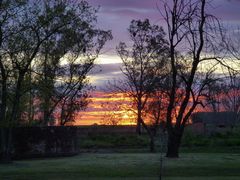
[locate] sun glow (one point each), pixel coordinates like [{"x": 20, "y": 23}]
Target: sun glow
[{"x": 107, "y": 108}]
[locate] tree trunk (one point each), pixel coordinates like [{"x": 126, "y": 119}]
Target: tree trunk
[
  {"x": 13, "y": 119},
  {"x": 139, "y": 121},
  {"x": 16, "y": 100},
  {"x": 3, "y": 101},
  {"x": 174, "y": 141},
  {"x": 6, "y": 135},
  {"x": 138, "y": 128},
  {"x": 45, "y": 116},
  {"x": 152, "y": 144},
  {"x": 151, "y": 136}
]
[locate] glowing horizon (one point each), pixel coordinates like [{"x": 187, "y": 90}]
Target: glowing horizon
[{"x": 103, "y": 107}]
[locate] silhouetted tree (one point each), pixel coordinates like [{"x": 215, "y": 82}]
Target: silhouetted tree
[
  {"x": 214, "y": 95},
  {"x": 230, "y": 93},
  {"x": 194, "y": 41},
  {"x": 50, "y": 31},
  {"x": 77, "y": 48},
  {"x": 156, "y": 110},
  {"x": 230, "y": 97},
  {"x": 9, "y": 11},
  {"x": 143, "y": 64}
]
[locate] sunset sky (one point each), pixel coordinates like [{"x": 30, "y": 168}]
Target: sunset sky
[{"x": 116, "y": 15}]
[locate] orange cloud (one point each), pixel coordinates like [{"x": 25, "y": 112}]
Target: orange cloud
[{"x": 104, "y": 107}]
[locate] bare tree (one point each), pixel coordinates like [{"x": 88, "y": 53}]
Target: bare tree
[
  {"x": 224, "y": 93},
  {"x": 232, "y": 44},
  {"x": 194, "y": 41},
  {"x": 143, "y": 65},
  {"x": 214, "y": 96},
  {"x": 230, "y": 93},
  {"x": 231, "y": 88}
]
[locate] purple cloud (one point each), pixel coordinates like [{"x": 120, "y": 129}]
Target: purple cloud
[{"x": 116, "y": 15}]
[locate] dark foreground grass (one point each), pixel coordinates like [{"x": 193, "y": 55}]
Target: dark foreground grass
[{"x": 189, "y": 166}]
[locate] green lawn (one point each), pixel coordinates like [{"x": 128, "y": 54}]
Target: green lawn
[{"x": 115, "y": 166}]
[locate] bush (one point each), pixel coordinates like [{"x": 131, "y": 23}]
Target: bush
[
  {"x": 48, "y": 141},
  {"x": 113, "y": 141},
  {"x": 189, "y": 140},
  {"x": 215, "y": 140}
]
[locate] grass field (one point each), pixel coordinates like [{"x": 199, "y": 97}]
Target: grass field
[{"x": 190, "y": 166}]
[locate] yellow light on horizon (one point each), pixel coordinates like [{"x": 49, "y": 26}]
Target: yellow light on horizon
[{"x": 108, "y": 59}]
